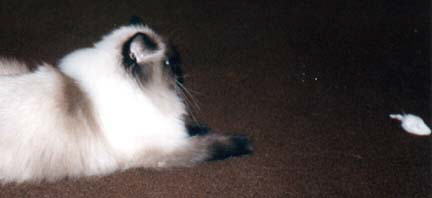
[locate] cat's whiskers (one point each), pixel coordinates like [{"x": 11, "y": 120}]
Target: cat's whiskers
[
  {"x": 188, "y": 94},
  {"x": 190, "y": 101}
]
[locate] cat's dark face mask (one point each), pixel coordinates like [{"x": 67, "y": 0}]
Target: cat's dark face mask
[{"x": 174, "y": 63}]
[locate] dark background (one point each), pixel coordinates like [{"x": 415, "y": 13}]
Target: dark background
[{"x": 311, "y": 82}]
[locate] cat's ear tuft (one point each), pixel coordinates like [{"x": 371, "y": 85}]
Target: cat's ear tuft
[
  {"x": 139, "y": 47},
  {"x": 135, "y": 20}
]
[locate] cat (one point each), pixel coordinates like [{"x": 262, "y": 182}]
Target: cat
[{"x": 113, "y": 106}]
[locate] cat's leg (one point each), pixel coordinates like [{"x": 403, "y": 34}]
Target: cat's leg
[
  {"x": 198, "y": 149},
  {"x": 220, "y": 147}
]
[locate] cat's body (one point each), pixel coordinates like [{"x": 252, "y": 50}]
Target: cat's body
[{"x": 109, "y": 107}]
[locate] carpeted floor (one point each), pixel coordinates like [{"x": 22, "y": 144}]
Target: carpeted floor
[{"x": 311, "y": 82}]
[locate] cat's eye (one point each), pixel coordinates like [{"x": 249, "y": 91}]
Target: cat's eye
[
  {"x": 132, "y": 57},
  {"x": 173, "y": 64}
]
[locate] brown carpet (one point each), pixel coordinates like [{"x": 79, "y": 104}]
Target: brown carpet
[{"x": 311, "y": 82}]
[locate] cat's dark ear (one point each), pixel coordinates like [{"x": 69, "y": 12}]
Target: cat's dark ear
[
  {"x": 135, "y": 20},
  {"x": 138, "y": 48}
]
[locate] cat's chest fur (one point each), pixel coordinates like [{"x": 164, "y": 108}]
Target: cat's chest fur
[{"x": 131, "y": 121}]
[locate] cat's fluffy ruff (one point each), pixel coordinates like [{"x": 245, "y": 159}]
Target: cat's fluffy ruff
[{"x": 91, "y": 116}]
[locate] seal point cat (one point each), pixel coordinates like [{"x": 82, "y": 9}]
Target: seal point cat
[{"x": 112, "y": 106}]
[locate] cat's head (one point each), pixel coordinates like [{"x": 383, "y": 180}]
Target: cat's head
[
  {"x": 144, "y": 55},
  {"x": 130, "y": 56}
]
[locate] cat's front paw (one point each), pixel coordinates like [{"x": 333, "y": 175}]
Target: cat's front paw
[
  {"x": 197, "y": 129},
  {"x": 232, "y": 146}
]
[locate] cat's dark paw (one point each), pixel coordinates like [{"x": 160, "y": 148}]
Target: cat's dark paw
[
  {"x": 234, "y": 146},
  {"x": 197, "y": 129}
]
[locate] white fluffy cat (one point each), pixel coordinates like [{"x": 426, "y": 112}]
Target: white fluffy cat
[{"x": 112, "y": 106}]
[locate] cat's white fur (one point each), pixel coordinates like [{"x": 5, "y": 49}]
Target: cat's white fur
[
  {"x": 126, "y": 126},
  {"x": 104, "y": 76}
]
